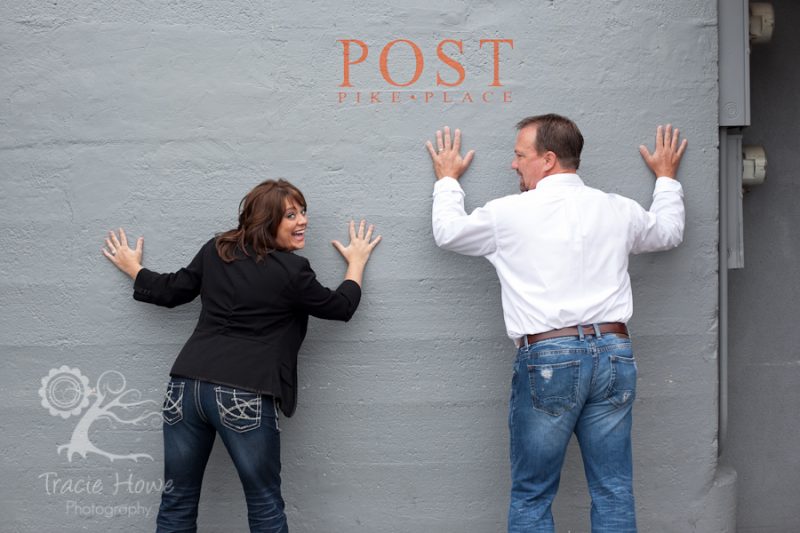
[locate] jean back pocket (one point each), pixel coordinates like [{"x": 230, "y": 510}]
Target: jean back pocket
[
  {"x": 172, "y": 409},
  {"x": 622, "y": 387},
  {"x": 239, "y": 410},
  {"x": 554, "y": 387}
]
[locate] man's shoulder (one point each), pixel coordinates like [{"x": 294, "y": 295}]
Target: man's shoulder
[
  {"x": 611, "y": 195},
  {"x": 507, "y": 200}
]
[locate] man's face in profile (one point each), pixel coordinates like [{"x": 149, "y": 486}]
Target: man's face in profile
[{"x": 528, "y": 163}]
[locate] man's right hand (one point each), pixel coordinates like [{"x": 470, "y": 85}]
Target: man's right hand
[
  {"x": 666, "y": 157},
  {"x": 447, "y": 160}
]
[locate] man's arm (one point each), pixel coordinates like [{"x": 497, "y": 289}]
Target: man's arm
[
  {"x": 453, "y": 229},
  {"x": 661, "y": 228}
]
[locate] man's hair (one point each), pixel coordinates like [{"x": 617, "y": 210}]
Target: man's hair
[{"x": 556, "y": 134}]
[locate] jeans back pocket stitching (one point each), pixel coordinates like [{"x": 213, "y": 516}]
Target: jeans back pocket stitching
[
  {"x": 627, "y": 394},
  {"x": 172, "y": 405},
  {"x": 238, "y": 411},
  {"x": 277, "y": 418}
]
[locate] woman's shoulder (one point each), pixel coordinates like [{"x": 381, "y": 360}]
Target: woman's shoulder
[
  {"x": 208, "y": 248},
  {"x": 286, "y": 261},
  {"x": 289, "y": 260}
]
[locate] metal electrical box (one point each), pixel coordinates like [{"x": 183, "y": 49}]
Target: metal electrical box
[{"x": 734, "y": 63}]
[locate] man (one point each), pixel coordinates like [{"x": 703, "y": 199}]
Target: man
[{"x": 561, "y": 252}]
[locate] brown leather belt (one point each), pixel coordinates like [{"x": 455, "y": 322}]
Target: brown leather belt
[{"x": 606, "y": 327}]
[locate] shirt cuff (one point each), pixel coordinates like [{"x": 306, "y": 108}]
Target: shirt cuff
[
  {"x": 667, "y": 184},
  {"x": 447, "y": 184}
]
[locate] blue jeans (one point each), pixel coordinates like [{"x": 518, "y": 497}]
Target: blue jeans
[
  {"x": 194, "y": 412},
  {"x": 584, "y": 385}
]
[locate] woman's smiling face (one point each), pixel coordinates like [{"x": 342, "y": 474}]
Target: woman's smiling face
[{"x": 291, "y": 233}]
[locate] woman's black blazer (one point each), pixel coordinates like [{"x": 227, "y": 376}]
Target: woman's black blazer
[{"x": 253, "y": 318}]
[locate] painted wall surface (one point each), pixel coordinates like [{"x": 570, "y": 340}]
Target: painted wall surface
[
  {"x": 764, "y": 363},
  {"x": 160, "y": 116}
]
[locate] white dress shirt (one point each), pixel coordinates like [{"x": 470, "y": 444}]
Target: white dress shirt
[{"x": 561, "y": 250}]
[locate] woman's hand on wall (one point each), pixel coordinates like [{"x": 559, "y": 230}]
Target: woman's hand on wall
[
  {"x": 124, "y": 258},
  {"x": 358, "y": 251}
]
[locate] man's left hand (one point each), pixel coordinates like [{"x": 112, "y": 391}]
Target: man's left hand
[
  {"x": 447, "y": 161},
  {"x": 666, "y": 156}
]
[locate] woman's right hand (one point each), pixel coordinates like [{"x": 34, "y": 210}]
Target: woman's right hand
[
  {"x": 124, "y": 258},
  {"x": 358, "y": 251}
]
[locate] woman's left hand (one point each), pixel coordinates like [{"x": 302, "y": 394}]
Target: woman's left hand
[
  {"x": 124, "y": 258},
  {"x": 358, "y": 251},
  {"x": 361, "y": 244}
]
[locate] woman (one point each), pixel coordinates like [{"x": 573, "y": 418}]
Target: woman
[{"x": 240, "y": 364}]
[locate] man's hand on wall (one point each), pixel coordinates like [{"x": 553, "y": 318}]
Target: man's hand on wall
[
  {"x": 667, "y": 155},
  {"x": 447, "y": 160}
]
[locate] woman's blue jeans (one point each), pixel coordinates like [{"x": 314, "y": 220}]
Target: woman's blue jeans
[
  {"x": 194, "y": 413},
  {"x": 583, "y": 385}
]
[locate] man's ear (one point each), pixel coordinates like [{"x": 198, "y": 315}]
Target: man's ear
[{"x": 550, "y": 160}]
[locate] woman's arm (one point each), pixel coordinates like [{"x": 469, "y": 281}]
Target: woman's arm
[
  {"x": 167, "y": 290},
  {"x": 313, "y": 298}
]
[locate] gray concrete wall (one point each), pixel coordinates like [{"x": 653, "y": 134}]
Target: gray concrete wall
[
  {"x": 764, "y": 359},
  {"x": 159, "y": 116}
]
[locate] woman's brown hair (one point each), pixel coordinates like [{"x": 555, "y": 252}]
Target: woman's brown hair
[{"x": 260, "y": 214}]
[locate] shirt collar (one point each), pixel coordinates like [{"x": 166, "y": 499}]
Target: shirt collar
[{"x": 555, "y": 180}]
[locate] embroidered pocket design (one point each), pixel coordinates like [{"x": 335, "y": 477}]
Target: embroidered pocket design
[
  {"x": 172, "y": 410},
  {"x": 239, "y": 410}
]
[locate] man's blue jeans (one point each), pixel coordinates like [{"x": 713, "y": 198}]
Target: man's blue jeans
[
  {"x": 584, "y": 385},
  {"x": 194, "y": 412}
]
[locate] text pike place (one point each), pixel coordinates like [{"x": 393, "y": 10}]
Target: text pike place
[{"x": 445, "y": 86}]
